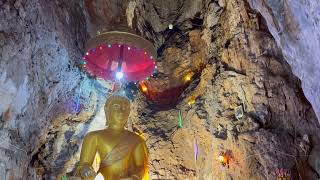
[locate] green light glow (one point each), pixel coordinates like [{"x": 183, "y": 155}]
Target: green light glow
[{"x": 180, "y": 118}]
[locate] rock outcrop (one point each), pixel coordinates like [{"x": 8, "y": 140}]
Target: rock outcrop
[
  {"x": 41, "y": 43},
  {"x": 248, "y": 103},
  {"x": 243, "y": 99},
  {"x": 295, "y": 27}
]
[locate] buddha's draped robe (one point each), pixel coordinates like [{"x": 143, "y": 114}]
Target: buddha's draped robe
[{"x": 124, "y": 159}]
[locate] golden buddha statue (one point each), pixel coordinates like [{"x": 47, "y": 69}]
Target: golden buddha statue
[{"x": 124, "y": 154}]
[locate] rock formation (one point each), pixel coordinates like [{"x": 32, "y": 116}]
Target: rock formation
[
  {"x": 295, "y": 27},
  {"x": 253, "y": 62}
]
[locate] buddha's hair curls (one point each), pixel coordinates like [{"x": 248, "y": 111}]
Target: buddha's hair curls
[{"x": 113, "y": 98}]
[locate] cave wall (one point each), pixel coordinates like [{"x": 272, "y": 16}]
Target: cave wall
[
  {"x": 295, "y": 27},
  {"x": 41, "y": 43},
  {"x": 245, "y": 68},
  {"x": 48, "y": 104}
]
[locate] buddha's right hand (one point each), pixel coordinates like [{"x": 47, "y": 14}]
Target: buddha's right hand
[{"x": 88, "y": 173}]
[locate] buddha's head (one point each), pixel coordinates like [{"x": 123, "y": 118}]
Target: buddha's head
[{"x": 117, "y": 109}]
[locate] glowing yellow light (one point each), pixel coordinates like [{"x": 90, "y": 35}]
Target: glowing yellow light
[
  {"x": 222, "y": 159},
  {"x": 191, "y": 101},
  {"x": 187, "y": 77},
  {"x": 144, "y": 88},
  {"x": 99, "y": 177}
]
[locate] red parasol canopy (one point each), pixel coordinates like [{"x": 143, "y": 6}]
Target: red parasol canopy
[
  {"x": 116, "y": 51},
  {"x": 166, "y": 96}
]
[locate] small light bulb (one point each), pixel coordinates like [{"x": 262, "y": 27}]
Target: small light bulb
[
  {"x": 87, "y": 53},
  {"x": 109, "y": 45},
  {"x": 222, "y": 159},
  {"x": 187, "y": 78},
  {"x": 129, "y": 48},
  {"x": 191, "y": 101},
  {"x": 119, "y": 75},
  {"x": 170, "y": 26},
  {"x": 144, "y": 89},
  {"x": 151, "y": 57}
]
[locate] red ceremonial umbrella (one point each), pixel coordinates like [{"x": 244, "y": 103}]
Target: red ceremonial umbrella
[{"x": 119, "y": 55}]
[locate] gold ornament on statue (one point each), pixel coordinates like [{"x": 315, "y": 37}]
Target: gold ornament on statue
[{"x": 124, "y": 154}]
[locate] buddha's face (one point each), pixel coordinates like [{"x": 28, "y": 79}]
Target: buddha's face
[{"x": 118, "y": 112}]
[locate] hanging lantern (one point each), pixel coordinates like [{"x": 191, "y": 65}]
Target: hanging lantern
[{"x": 120, "y": 55}]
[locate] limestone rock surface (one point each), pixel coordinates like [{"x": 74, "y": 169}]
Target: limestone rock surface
[
  {"x": 255, "y": 68},
  {"x": 295, "y": 27}
]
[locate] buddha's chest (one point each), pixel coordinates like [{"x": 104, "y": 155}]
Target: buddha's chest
[
  {"x": 116, "y": 158},
  {"x": 105, "y": 146},
  {"x": 109, "y": 144},
  {"x": 115, "y": 147}
]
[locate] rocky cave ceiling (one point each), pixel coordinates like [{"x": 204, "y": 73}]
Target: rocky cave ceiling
[{"x": 256, "y": 56}]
